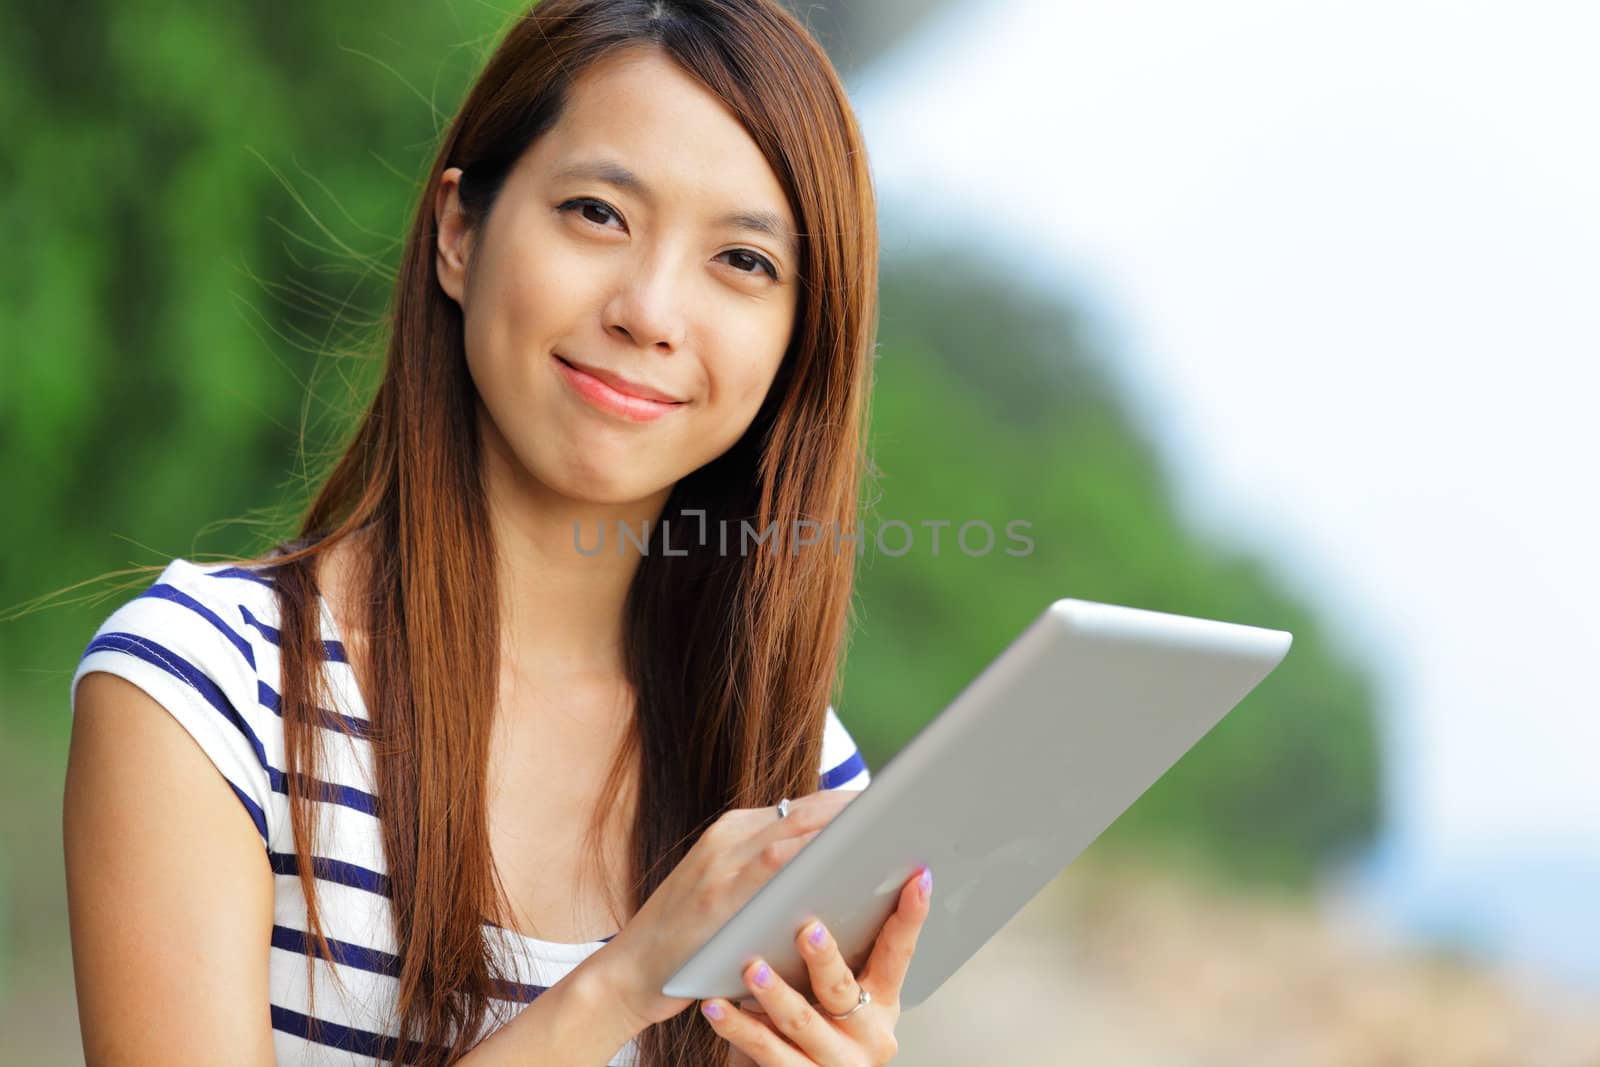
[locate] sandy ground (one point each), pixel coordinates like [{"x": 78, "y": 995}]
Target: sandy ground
[{"x": 1123, "y": 968}]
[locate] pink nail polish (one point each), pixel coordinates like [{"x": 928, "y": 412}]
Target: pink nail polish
[
  {"x": 712, "y": 1011},
  {"x": 815, "y": 937},
  {"x": 925, "y": 883},
  {"x": 763, "y": 976}
]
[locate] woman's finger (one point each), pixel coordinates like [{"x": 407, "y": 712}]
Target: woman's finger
[
  {"x": 833, "y": 984},
  {"x": 767, "y": 851},
  {"x": 772, "y": 858},
  {"x": 885, "y": 971},
  {"x": 806, "y": 816},
  {"x": 763, "y": 1045},
  {"x": 794, "y": 1016}
]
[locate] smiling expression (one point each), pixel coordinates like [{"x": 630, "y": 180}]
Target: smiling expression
[{"x": 643, "y": 244}]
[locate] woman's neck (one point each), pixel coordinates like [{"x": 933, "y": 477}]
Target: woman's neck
[{"x": 561, "y": 599}]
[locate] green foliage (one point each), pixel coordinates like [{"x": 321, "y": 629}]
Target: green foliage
[
  {"x": 204, "y": 204},
  {"x": 197, "y": 195},
  {"x": 990, "y": 407}
]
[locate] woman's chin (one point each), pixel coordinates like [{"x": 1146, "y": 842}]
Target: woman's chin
[{"x": 603, "y": 487}]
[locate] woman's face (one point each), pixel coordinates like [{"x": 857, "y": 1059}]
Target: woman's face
[{"x": 644, "y": 238}]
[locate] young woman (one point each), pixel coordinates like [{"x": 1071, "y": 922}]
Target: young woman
[{"x": 483, "y": 786}]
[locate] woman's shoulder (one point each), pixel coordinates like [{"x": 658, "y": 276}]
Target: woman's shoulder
[
  {"x": 195, "y": 619},
  {"x": 194, "y": 640}
]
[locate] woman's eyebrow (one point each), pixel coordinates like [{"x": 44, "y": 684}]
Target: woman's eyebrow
[{"x": 614, "y": 173}]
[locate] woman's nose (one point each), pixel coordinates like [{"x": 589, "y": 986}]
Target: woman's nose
[{"x": 649, "y": 306}]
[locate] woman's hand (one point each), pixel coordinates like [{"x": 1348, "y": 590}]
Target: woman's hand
[
  {"x": 792, "y": 1032},
  {"x": 733, "y": 858}
]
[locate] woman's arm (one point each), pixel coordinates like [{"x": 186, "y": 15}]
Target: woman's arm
[
  {"x": 575, "y": 1023},
  {"x": 169, "y": 892},
  {"x": 169, "y": 895}
]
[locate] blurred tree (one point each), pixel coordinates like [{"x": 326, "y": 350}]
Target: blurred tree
[
  {"x": 170, "y": 171},
  {"x": 991, "y": 406},
  {"x": 204, "y": 203}
]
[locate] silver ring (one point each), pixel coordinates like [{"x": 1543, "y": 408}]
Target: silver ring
[
  {"x": 862, "y": 1001},
  {"x": 783, "y": 808}
]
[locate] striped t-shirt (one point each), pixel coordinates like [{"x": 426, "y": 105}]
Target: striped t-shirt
[{"x": 203, "y": 642}]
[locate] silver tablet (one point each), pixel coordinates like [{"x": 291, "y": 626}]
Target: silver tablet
[{"x": 1027, "y": 765}]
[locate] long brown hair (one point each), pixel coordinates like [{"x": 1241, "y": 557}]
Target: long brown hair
[{"x": 733, "y": 657}]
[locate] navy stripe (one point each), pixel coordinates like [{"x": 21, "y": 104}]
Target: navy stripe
[
  {"x": 347, "y": 1038},
  {"x": 163, "y": 591},
  {"x": 256, "y": 814},
  {"x": 351, "y": 955},
  {"x": 333, "y": 650},
  {"x": 373, "y": 961},
  {"x": 357, "y": 877},
  {"x": 330, "y": 719},
  {"x": 240, "y": 572},
  {"x": 149, "y": 652},
  {"x": 339, "y": 723},
  {"x": 332, "y": 870},
  {"x": 844, "y": 771},
  {"x": 268, "y": 696},
  {"x": 379, "y": 1047},
  {"x": 346, "y": 796},
  {"x": 349, "y": 874},
  {"x": 159, "y": 656}
]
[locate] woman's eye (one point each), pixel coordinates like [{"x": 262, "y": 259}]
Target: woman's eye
[
  {"x": 743, "y": 261},
  {"x": 761, "y": 263},
  {"x": 583, "y": 204}
]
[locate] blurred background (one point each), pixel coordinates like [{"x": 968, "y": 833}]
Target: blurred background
[{"x": 1275, "y": 312}]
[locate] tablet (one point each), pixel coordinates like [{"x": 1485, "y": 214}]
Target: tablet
[{"x": 1059, "y": 735}]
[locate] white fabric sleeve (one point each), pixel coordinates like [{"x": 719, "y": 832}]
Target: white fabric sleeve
[
  {"x": 181, "y": 642},
  {"x": 842, "y": 764}
]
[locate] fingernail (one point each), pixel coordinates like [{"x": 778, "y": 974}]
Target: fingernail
[
  {"x": 815, "y": 937},
  {"x": 925, "y": 883},
  {"x": 712, "y": 1011},
  {"x": 763, "y": 976}
]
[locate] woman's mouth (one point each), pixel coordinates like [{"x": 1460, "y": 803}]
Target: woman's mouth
[{"x": 610, "y": 398}]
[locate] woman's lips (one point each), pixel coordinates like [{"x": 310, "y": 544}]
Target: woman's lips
[{"x": 610, "y": 399}]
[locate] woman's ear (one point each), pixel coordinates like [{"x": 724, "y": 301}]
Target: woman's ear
[{"x": 455, "y": 237}]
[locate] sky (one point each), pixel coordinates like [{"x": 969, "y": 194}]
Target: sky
[{"x": 1345, "y": 261}]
